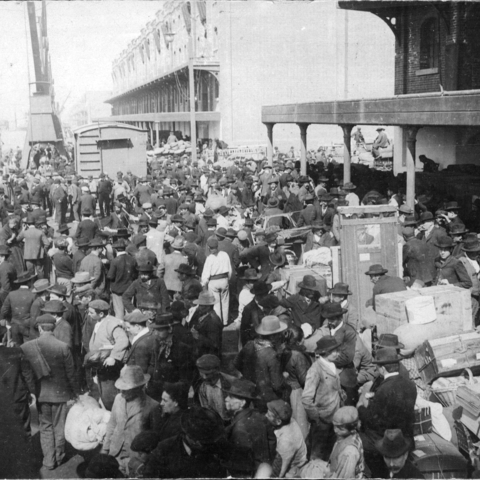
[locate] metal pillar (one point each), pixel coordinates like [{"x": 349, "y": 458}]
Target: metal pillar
[
  {"x": 191, "y": 79},
  {"x": 347, "y": 152},
  {"x": 411, "y": 140},
  {"x": 303, "y": 155},
  {"x": 157, "y": 131},
  {"x": 270, "y": 143}
]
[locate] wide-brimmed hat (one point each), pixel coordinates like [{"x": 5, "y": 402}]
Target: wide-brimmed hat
[
  {"x": 82, "y": 277},
  {"x": 308, "y": 282},
  {"x": 251, "y": 275},
  {"x": 318, "y": 225},
  {"x": 4, "y": 250},
  {"x": 185, "y": 268},
  {"x": 202, "y": 425},
  {"x": 349, "y": 186},
  {"x": 63, "y": 228},
  {"x": 387, "y": 355},
  {"x": 444, "y": 242},
  {"x": 242, "y": 388},
  {"x": 145, "y": 267},
  {"x": 58, "y": 289},
  {"x": 131, "y": 376},
  {"x": 54, "y": 306},
  {"x": 471, "y": 246},
  {"x": 405, "y": 209},
  {"x": 83, "y": 242},
  {"x": 410, "y": 220},
  {"x": 40, "y": 285},
  {"x": 120, "y": 244},
  {"x": 278, "y": 258},
  {"x": 95, "y": 243},
  {"x": 457, "y": 229},
  {"x": 231, "y": 233},
  {"x": 380, "y": 128},
  {"x": 221, "y": 232},
  {"x": 25, "y": 277},
  {"x": 205, "y": 298},
  {"x": 389, "y": 340},
  {"x": 162, "y": 320},
  {"x": 270, "y": 325},
  {"x": 340, "y": 288},
  {"x": 376, "y": 269},
  {"x": 178, "y": 243},
  {"x": 393, "y": 444},
  {"x": 260, "y": 288},
  {"x": 332, "y": 310},
  {"x": 326, "y": 344}
]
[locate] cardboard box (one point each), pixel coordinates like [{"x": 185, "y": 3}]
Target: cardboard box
[{"x": 453, "y": 306}]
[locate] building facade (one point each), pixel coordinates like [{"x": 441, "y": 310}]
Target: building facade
[
  {"x": 436, "y": 107},
  {"x": 244, "y": 55}
]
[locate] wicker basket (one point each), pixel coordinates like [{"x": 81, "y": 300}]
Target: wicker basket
[{"x": 445, "y": 388}]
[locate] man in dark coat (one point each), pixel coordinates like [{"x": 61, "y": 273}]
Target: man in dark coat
[
  {"x": 146, "y": 287},
  {"x": 36, "y": 244},
  {"x": 87, "y": 228},
  {"x": 8, "y": 274},
  {"x": 16, "y": 309},
  {"x": 259, "y": 255},
  {"x": 429, "y": 231},
  {"x": 418, "y": 258},
  {"x": 63, "y": 331},
  {"x": 18, "y": 382},
  {"x": 87, "y": 201},
  {"x": 253, "y": 313},
  {"x": 52, "y": 363},
  {"x": 104, "y": 193},
  {"x": 259, "y": 363},
  {"x": 390, "y": 405},
  {"x": 249, "y": 429},
  {"x": 383, "y": 283},
  {"x": 173, "y": 358},
  {"x": 143, "y": 342}
]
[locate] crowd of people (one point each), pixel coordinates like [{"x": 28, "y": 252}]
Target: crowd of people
[{"x": 130, "y": 290}]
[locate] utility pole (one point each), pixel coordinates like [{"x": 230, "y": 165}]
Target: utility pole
[
  {"x": 345, "y": 85},
  {"x": 191, "y": 78}
]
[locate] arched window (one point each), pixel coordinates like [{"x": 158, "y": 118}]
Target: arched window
[{"x": 429, "y": 44}]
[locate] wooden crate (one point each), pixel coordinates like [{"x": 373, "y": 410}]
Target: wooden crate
[
  {"x": 294, "y": 274},
  {"x": 452, "y": 304}
]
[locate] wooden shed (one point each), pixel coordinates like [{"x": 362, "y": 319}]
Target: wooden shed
[{"x": 110, "y": 148}]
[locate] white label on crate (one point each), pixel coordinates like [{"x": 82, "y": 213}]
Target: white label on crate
[
  {"x": 364, "y": 257},
  {"x": 448, "y": 362},
  {"x": 419, "y": 453}
]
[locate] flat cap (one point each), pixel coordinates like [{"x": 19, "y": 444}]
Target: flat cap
[
  {"x": 99, "y": 305},
  {"x": 45, "y": 319},
  {"x": 281, "y": 408},
  {"x": 212, "y": 242},
  {"x": 208, "y": 362}
]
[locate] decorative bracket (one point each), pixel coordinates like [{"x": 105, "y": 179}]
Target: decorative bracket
[{"x": 392, "y": 18}]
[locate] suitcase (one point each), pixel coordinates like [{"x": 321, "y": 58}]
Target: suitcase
[
  {"x": 448, "y": 356},
  {"x": 435, "y": 457}
]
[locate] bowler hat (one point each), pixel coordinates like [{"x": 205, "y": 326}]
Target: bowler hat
[
  {"x": 221, "y": 232},
  {"x": 231, "y": 233},
  {"x": 457, "y": 229},
  {"x": 40, "y": 285},
  {"x": 386, "y": 356},
  {"x": 83, "y": 242},
  {"x": 452, "y": 206},
  {"x": 242, "y": 388},
  {"x": 326, "y": 344},
  {"x": 471, "y": 245},
  {"x": 444, "y": 242},
  {"x": 340, "y": 289},
  {"x": 270, "y": 325},
  {"x": 405, "y": 209},
  {"x": 393, "y": 444},
  {"x": 178, "y": 218},
  {"x": 426, "y": 217},
  {"x": 45, "y": 320},
  {"x": 120, "y": 244},
  {"x": 185, "y": 268},
  {"x": 58, "y": 289},
  {"x": 82, "y": 277},
  {"x": 63, "y": 228},
  {"x": 131, "y": 376},
  {"x": 271, "y": 237},
  {"x": 208, "y": 213},
  {"x": 54, "y": 306},
  {"x": 223, "y": 210},
  {"x": 202, "y": 425},
  {"x": 278, "y": 258},
  {"x": 162, "y": 320},
  {"x": 376, "y": 269},
  {"x": 308, "y": 283},
  {"x": 205, "y": 298},
  {"x": 333, "y": 310},
  {"x": 389, "y": 340},
  {"x": 281, "y": 409},
  {"x": 260, "y": 288},
  {"x": 25, "y": 276},
  {"x": 212, "y": 222},
  {"x": 251, "y": 275},
  {"x": 410, "y": 220},
  {"x": 122, "y": 232},
  {"x": 208, "y": 362}
]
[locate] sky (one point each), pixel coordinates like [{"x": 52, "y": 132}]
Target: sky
[{"x": 84, "y": 37}]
